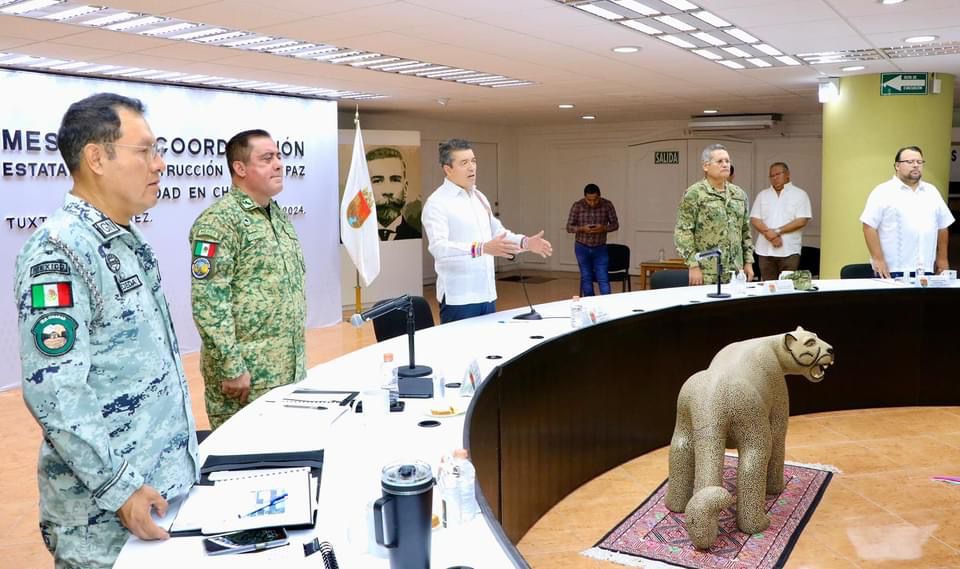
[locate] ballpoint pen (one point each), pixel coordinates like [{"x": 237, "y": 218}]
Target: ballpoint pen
[{"x": 273, "y": 502}]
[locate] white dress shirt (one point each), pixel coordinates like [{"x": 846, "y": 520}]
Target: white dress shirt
[
  {"x": 778, "y": 210},
  {"x": 453, "y": 219},
  {"x": 908, "y": 221}
]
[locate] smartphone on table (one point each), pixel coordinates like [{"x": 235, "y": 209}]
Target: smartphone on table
[{"x": 245, "y": 540}]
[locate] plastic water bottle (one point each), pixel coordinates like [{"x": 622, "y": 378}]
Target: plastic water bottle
[
  {"x": 457, "y": 489},
  {"x": 449, "y": 493},
  {"x": 576, "y": 313},
  {"x": 466, "y": 476},
  {"x": 661, "y": 256},
  {"x": 919, "y": 277},
  {"x": 388, "y": 377},
  {"x": 741, "y": 280}
]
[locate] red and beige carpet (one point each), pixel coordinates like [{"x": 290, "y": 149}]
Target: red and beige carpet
[{"x": 653, "y": 537}]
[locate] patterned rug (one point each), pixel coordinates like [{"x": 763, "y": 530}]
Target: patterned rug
[{"x": 654, "y": 537}]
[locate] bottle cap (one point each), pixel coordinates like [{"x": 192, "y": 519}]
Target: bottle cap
[
  {"x": 388, "y": 356},
  {"x": 461, "y": 453}
]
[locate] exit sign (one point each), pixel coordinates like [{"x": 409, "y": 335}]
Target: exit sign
[
  {"x": 903, "y": 83},
  {"x": 666, "y": 157}
]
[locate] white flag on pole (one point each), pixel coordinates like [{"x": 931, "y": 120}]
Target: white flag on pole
[{"x": 358, "y": 216}]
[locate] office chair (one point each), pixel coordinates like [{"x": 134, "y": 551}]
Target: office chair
[
  {"x": 810, "y": 260},
  {"x": 857, "y": 271},
  {"x": 619, "y": 267},
  {"x": 670, "y": 278},
  {"x": 394, "y": 323}
]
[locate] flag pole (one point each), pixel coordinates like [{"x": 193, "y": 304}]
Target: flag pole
[{"x": 358, "y": 300}]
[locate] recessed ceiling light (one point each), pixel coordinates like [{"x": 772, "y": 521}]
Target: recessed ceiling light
[
  {"x": 731, "y": 64},
  {"x": 710, "y": 111},
  {"x": 566, "y": 106},
  {"x": 625, "y": 49},
  {"x": 889, "y": 2},
  {"x": 853, "y": 67},
  {"x": 641, "y": 27},
  {"x": 920, "y": 39},
  {"x": 588, "y": 117},
  {"x": 682, "y": 5},
  {"x": 679, "y": 42},
  {"x": 637, "y": 7}
]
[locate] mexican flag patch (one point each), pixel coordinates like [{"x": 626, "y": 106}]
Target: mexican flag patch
[
  {"x": 204, "y": 249},
  {"x": 51, "y": 295}
]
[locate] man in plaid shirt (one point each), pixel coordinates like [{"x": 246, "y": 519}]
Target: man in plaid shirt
[{"x": 591, "y": 219}]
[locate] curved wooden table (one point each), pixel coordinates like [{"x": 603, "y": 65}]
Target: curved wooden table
[{"x": 577, "y": 405}]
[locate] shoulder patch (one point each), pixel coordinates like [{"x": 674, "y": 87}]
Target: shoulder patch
[
  {"x": 55, "y": 334},
  {"x": 51, "y": 295},
  {"x": 204, "y": 249},
  {"x": 106, "y": 228},
  {"x": 113, "y": 262},
  {"x": 57, "y": 266},
  {"x": 128, "y": 284},
  {"x": 200, "y": 269}
]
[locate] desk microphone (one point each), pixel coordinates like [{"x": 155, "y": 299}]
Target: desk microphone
[
  {"x": 708, "y": 253},
  {"x": 399, "y": 303},
  {"x": 715, "y": 252},
  {"x": 404, "y": 303},
  {"x": 533, "y": 314}
]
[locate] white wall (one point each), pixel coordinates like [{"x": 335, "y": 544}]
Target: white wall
[{"x": 542, "y": 171}]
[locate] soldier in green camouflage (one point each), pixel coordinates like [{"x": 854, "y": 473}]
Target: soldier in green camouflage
[
  {"x": 713, "y": 215},
  {"x": 248, "y": 293},
  {"x": 101, "y": 366}
]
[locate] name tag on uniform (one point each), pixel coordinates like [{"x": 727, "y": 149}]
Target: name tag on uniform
[{"x": 129, "y": 283}]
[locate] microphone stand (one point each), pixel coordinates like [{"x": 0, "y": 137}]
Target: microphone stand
[
  {"x": 718, "y": 294},
  {"x": 412, "y": 369},
  {"x": 533, "y": 314}
]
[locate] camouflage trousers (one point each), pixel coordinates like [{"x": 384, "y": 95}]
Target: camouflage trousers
[{"x": 92, "y": 546}]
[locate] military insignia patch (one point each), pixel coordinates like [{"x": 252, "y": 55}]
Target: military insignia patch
[
  {"x": 113, "y": 262},
  {"x": 204, "y": 249},
  {"x": 106, "y": 228},
  {"x": 50, "y": 267},
  {"x": 128, "y": 284},
  {"x": 200, "y": 268},
  {"x": 55, "y": 334},
  {"x": 51, "y": 295}
]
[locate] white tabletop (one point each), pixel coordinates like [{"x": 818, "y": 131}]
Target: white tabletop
[{"x": 357, "y": 446}]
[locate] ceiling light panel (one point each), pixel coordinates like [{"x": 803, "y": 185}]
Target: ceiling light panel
[
  {"x": 19, "y": 61},
  {"x": 686, "y": 25},
  {"x": 117, "y": 20}
]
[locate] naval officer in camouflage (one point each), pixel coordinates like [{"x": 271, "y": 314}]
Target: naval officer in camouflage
[
  {"x": 101, "y": 366},
  {"x": 713, "y": 215},
  {"x": 249, "y": 302}
]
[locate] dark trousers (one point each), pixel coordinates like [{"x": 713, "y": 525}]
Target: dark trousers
[
  {"x": 454, "y": 312},
  {"x": 593, "y": 262},
  {"x": 770, "y": 267}
]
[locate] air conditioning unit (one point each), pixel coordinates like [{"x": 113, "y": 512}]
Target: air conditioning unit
[{"x": 734, "y": 122}]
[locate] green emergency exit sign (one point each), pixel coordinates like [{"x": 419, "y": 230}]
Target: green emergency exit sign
[{"x": 903, "y": 83}]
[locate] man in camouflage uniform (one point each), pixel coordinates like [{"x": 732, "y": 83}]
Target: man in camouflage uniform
[
  {"x": 713, "y": 215},
  {"x": 101, "y": 366},
  {"x": 248, "y": 283}
]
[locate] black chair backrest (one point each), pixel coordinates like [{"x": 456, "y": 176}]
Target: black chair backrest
[
  {"x": 394, "y": 323},
  {"x": 619, "y": 256},
  {"x": 810, "y": 260},
  {"x": 857, "y": 271},
  {"x": 669, "y": 278}
]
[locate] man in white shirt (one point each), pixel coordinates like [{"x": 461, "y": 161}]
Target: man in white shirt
[
  {"x": 905, "y": 221},
  {"x": 464, "y": 236},
  {"x": 779, "y": 215}
]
